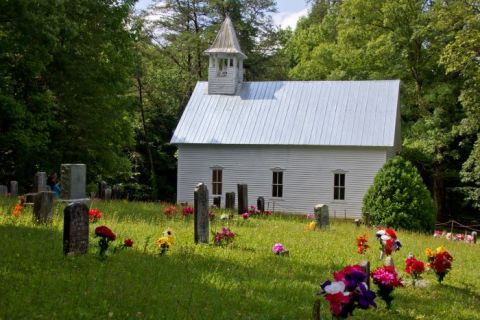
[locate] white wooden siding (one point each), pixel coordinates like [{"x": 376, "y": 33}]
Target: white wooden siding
[{"x": 307, "y": 179}]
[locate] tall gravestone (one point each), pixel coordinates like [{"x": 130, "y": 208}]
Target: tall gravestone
[
  {"x": 242, "y": 190},
  {"x": 102, "y": 185},
  {"x": 261, "y": 204},
  {"x": 3, "y": 190},
  {"x": 108, "y": 194},
  {"x": 321, "y": 215},
  {"x": 73, "y": 180},
  {"x": 230, "y": 200},
  {"x": 217, "y": 201},
  {"x": 117, "y": 192},
  {"x": 40, "y": 182},
  {"x": 13, "y": 188},
  {"x": 43, "y": 207},
  {"x": 75, "y": 229},
  {"x": 200, "y": 210}
]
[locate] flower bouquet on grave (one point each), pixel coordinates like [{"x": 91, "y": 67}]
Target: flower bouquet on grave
[
  {"x": 19, "y": 206},
  {"x": 440, "y": 261},
  {"x": 280, "y": 250},
  {"x": 348, "y": 292},
  {"x": 223, "y": 237},
  {"x": 414, "y": 268},
  {"x": 388, "y": 241},
  {"x": 94, "y": 214},
  {"x": 164, "y": 243},
  {"x": 362, "y": 244},
  {"x": 187, "y": 212},
  {"x": 386, "y": 279},
  {"x": 106, "y": 236}
]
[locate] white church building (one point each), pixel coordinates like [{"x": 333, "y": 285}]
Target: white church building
[{"x": 295, "y": 143}]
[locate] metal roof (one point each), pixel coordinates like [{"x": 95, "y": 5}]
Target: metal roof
[
  {"x": 226, "y": 40},
  {"x": 331, "y": 113}
]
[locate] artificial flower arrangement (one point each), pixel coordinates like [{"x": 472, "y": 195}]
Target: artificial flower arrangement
[
  {"x": 245, "y": 215},
  {"x": 362, "y": 244},
  {"x": 467, "y": 238},
  {"x": 386, "y": 279},
  {"x": 310, "y": 226},
  {"x": 94, "y": 214},
  {"x": 211, "y": 215},
  {"x": 19, "y": 206},
  {"x": 279, "y": 250},
  {"x": 187, "y": 211},
  {"x": 440, "y": 261},
  {"x": 106, "y": 236},
  {"x": 164, "y": 243},
  {"x": 348, "y": 292},
  {"x": 414, "y": 268},
  {"x": 223, "y": 237},
  {"x": 170, "y": 211},
  {"x": 388, "y": 241}
]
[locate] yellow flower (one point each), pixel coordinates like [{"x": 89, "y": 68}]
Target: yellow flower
[
  {"x": 429, "y": 253},
  {"x": 164, "y": 240},
  {"x": 441, "y": 249},
  {"x": 169, "y": 235},
  {"x": 311, "y": 226}
]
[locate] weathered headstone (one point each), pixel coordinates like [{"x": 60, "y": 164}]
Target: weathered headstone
[
  {"x": 3, "y": 190},
  {"x": 43, "y": 207},
  {"x": 13, "y": 188},
  {"x": 358, "y": 222},
  {"x": 261, "y": 204},
  {"x": 200, "y": 211},
  {"x": 40, "y": 182},
  {"x": 117, "y": 192},
  {"x": 217, "y": 201},
  {"x": 73, "y": 180},
  {"x": 108, "y": 194},
  {"x": 29, "y": 197},
  {"x": 321, "y": 215},
  {"x": 365, "y": 265},
  {"x": 102, "y": 185},
  {"x": 242, "y": 190},
  {"x": 230, "y": 200},
  {"x": 75, "y": 228},
  {"x": 474, "y": 235}
]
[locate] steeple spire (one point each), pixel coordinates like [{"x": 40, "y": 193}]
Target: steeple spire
[{"x": 225, "y": 71}]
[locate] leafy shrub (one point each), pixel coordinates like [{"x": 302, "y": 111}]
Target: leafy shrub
[{"x": 398, "y": 198}]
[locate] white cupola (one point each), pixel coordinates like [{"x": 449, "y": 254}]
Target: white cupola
[{"x": 225, "y": 67}]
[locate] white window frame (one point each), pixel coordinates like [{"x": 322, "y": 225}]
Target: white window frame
[
  {"x": 218, "y": 184},
  {"x": 278, "y": 187},
  {"x": 339, "y": 186}
]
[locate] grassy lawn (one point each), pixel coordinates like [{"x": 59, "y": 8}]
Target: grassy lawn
[{"x": 243, "y": 281}]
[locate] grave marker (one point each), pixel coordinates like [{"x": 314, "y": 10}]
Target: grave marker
[
  {"x": 108, "y": 194},
  {"x": 102, "y": 185},
  {"x": 73, "y": 180},
  {"x": 321, "y": 216},
  {"x": 365, "y": 265},
  {"x": 75, "y": 229},
  {"x": 230, "y": 200},
  {"x": 261, "y": 204},
  {"x": 3, "y": 190},
  {"x": 40, "y": 182},
  {"x": 200, "y": 210},
  {"x": 43, "y": 207},
  {"x": 242, "y": 190},
  {"x": 217, "y": 201},
  {"x": 13, "y": 188}
]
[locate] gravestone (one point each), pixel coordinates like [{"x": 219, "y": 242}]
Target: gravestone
[
  {"x": 3, "y": 190},
  {"x": 13, "y": 188},
  {"x": 102, "y": 185},
  {"x": 217, "y": 201},
  {"x": 242, "y": 190},
  {"x": 117, "y": 192},
  {"x": 321, "y": 216},
  {"x": 108, "y": 194},
  {"x": 73, "y": 180},
  {"x": 43, "y": 207},
  {"x": 40, "y": 182},
  {"x": 200, "y": 211},
  {"x": 230, "y": 200},
  {"x": 474, "y": 235},
  {"x": 75, "y": 229},
  {"x": 29, "y": 197},
  {"x": 358, "y": 222},
  {"x": 261, "y": 204},
  {"x": 365, "y": 265}
]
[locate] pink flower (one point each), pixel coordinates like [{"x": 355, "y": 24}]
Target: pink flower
[
  {"x": 337, "y": 301},
  {"x": 277, "y": 248},
  {"x": 186, "y": 211},
  {"x": 311, "y": 216},
  {"x": 245, "y": 215}
]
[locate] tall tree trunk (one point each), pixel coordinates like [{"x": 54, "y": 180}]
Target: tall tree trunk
[{"x": 439, "y": 192}]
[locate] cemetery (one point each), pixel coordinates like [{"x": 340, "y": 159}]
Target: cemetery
[{"x": 197, "y": 160}]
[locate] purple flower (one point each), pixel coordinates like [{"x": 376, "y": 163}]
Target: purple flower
[
  {"x": 277, "y": 248},
  {"x": 365, "y": 299}
]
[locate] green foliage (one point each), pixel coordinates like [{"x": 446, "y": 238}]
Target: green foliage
[
  {"x": 398, "y": 198},
  {"x": 244, "y": 280}
]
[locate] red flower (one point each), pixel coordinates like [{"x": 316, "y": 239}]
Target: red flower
[
  {"x": 105, "y": 232},
  {"x": 94, "y": 214},
  {"x": 391, "y": 233},
  {"x": 362, "y": 244},
  {"x": 170, "y": 210},
  {"x": 414, "y": 266},
  {"x": 186, "y": 211},
  {"x": 128, "y": 243},
  {"x": 442, "y": 262},
  {"x": 336, "y": 300}
]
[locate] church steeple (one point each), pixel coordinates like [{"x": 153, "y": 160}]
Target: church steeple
[{"x": 225, "y": 69}]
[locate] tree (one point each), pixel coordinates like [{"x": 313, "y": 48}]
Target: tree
[{"x": 398, "y": 198}]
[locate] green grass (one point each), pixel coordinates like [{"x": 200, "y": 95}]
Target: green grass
[{"x": 244, "y": 281}]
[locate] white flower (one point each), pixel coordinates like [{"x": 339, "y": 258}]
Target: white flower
[
  {"x": 380, "y": 233},
  {"x": 224, "y": 216},
  {"x": 335, "y": 287}
]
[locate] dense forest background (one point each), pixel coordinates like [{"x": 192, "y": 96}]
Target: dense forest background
[{"x": 95, "y": 82}]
